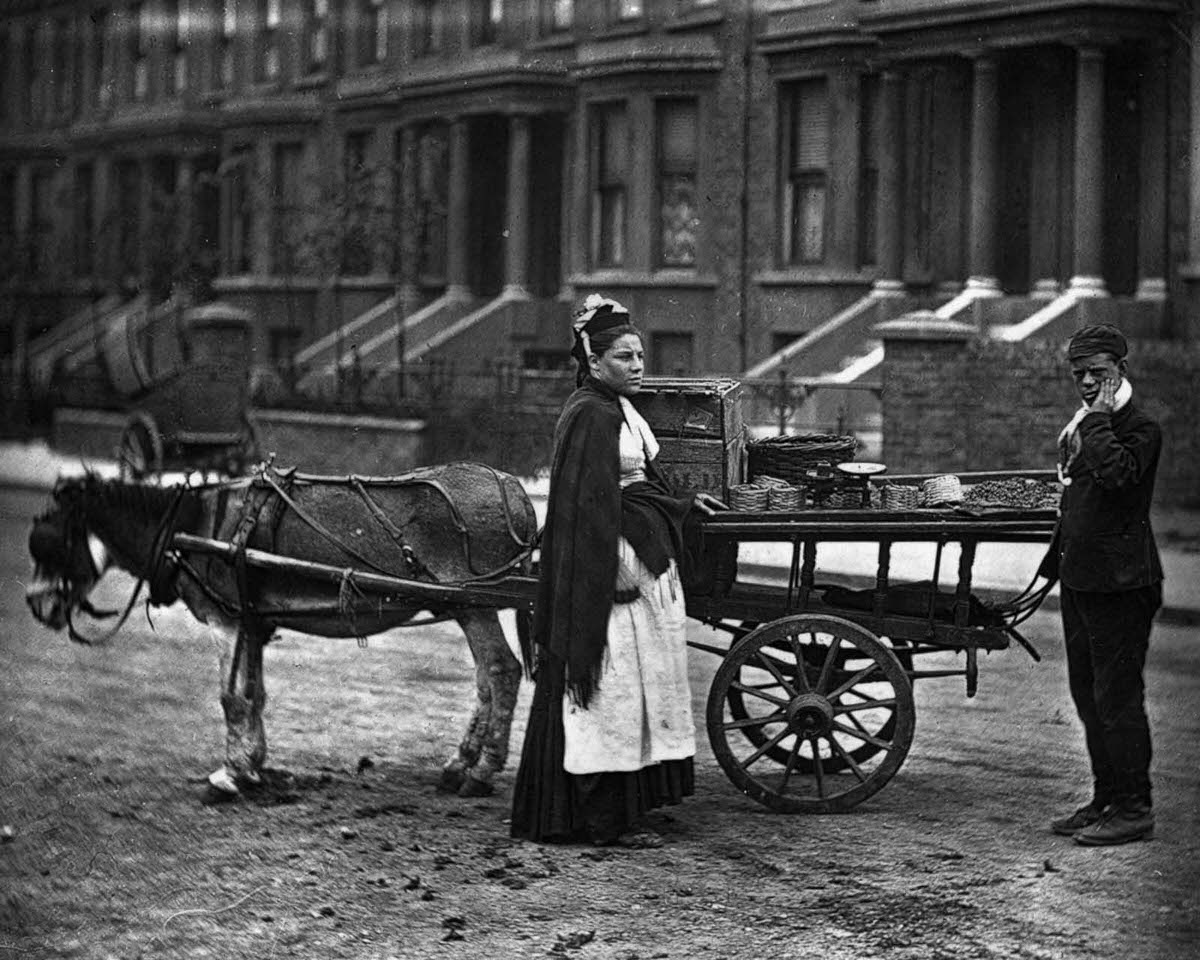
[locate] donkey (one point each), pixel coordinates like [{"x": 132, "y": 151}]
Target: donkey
[{"x": 456, "y": 524}]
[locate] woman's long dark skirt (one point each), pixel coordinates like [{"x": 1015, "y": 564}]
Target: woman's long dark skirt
[{"x": 553, "y": 806}]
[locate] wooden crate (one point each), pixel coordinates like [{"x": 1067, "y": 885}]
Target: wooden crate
[{"x": 698, "y": 422}]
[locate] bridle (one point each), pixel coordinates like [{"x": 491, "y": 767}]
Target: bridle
[{"x": 160, "y": 576}]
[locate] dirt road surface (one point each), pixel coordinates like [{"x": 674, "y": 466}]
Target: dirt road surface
[{"x": 109, "y": 852}]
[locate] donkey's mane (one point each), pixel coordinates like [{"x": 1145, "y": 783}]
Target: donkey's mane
[{"x": 109, "y": 506}]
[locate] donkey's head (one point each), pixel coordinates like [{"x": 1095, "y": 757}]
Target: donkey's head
[{"x": 68, "y": 559}]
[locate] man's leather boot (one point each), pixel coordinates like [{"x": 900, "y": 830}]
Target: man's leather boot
[
  {"x": 1118, "y": 825},
  {"x": 1070, "y": 825}
]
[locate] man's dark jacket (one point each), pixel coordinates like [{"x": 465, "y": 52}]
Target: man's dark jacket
[{"x": 1104, "y": 542}]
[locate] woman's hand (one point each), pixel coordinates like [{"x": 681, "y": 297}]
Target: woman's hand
[{"x": 707, "y": 504}]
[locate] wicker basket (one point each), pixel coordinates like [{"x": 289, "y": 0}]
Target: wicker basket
[
  {"x": 899, "y": 496},
  {"x": 791, "y": 457},
  {"x": 748, "y": 497},
  {"x": 937, "y": 491},
  {"x": 785, "y": 498}
]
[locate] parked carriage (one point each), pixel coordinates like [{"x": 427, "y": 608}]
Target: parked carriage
[
  {"x": 811, "y": 708},
  {"x": 185, "y": 374}
]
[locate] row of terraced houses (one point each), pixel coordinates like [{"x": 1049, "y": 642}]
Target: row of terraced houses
[{"x": 760, "y": 181}]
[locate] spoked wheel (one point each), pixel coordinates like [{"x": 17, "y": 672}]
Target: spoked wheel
[
  {"x": 140, "y": 453},
  {"x": 825, "y": 714},
  {"x": 885, "y": 718}
]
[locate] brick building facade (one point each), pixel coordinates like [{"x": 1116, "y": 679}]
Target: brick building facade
[{"x": 737, "y": 172}]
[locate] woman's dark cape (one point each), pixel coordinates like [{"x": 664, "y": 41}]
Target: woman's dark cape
[
  {"x": 587, "y": 512},
  {"x": 577, "y": 581}
]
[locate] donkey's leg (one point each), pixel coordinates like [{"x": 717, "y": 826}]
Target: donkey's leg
[
  {"x": 497, "y": 680},
  {"x": 242, "y": 699},
  {"x": 454, "y": 773}
]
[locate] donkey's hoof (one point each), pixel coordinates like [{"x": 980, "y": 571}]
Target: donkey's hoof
[
  {"x": 475, "y": 788},
  {"x": 222, "y": 782},
  {"x": 452, "y": 780}
]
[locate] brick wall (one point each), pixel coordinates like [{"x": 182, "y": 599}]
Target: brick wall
[{"x": 958, "y": 403}]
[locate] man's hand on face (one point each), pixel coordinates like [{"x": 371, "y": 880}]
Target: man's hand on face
[{"x": 1106, "y": 399}]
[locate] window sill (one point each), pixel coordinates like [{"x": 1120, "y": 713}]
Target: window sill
[
  {"x": 690, "y": 19},
  {"x": 814, "y": 276},
  {"x": 554, "y": 41},
  {"x": 629, "y": 29},
  {"x": 658, "y": 279},
  {"x": 316, "y": 79}
]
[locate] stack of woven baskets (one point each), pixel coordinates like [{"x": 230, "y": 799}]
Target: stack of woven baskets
[{"x": 766, "y": 493}]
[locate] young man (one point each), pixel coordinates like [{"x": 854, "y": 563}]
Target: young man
[{"x": 1106, "y": 559}]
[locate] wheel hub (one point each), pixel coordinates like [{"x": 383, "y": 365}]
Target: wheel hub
[{"x": 810, "y": 715}]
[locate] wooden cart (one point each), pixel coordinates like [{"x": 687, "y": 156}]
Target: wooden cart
[
  {"x": 811, "y": 708},
  {"x": 186, "y": 378}
]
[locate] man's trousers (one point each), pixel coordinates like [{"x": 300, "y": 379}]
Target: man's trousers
[{"x": 1107, "y": 635}]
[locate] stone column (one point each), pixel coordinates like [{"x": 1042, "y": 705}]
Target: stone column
[
  {"x": 18, "y": 321},
  {"x": 1049, "y": 176},
  {"x": 457, "y": 278},
  {"x": 261, "y": 175},
  {"x": 186, "y": 202},
  {"x": 1152, "y": 200},
  {"x": 576, "y": 194},
  {"x": 1089, "y": 173},
  {"x": 845, "y": 146},
  {"x": 982, "y": 239},
  {"x": 890, "y": 199},
  {"x": 407, "y": 268},
  {"x": 516, "y": 261},
  {"x": 143, "y": 199},
  {"x": 1187, "y": 323},
  {"x": 103, "y": 233}
]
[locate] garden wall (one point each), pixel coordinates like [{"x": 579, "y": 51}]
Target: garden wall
[{"x": 956, "y": 401}]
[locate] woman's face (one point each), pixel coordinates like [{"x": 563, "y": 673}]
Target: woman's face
[{"x": 620, "y": 367}]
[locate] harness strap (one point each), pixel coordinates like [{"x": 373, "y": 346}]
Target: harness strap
[
  {"x": 252, "y": 507},
  {"x": 410, "y": 558},
  {"x": 315, "y": 525}
]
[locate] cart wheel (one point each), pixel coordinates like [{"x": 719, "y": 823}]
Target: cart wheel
[
  {"x": 140, "y": 453},
  {"x": 885, "y": 718},
  {"x": 814, "y": 690}
]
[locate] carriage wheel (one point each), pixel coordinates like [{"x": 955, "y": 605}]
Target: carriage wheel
[
  {"x": 140, "y": 453},
  {"x": 881, "y": 724},
  {"x": 814, "y": 691}
]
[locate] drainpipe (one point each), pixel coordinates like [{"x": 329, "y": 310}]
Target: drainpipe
[{"x": 744, "y": 259}]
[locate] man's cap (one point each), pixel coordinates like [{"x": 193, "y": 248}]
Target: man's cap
[{"x": 1097, "y": 338}]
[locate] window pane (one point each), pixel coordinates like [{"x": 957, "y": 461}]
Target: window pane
[
  {"x": 614, "y": 135},
  {"x": 679, "y": 220},
  {"x": 610, "y": 151},
  {"x": 810, "y": 126},
  {"x": 677, "y": 135},
  {"x": 289, "y": 228},
  {"x": 808, "y": 223},
  {"x": 677, "y": 178}
]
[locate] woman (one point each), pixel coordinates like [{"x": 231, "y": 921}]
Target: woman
[{"x": 610, "y": 732}]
